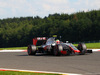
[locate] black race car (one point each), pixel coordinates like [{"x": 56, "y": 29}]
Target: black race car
[{"x": 55, "y": 47}]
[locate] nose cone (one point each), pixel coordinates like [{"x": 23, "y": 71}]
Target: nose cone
[{"x": 78, "y": 51}]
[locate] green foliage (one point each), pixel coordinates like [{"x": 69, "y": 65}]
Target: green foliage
[{"x": 81, "y": 26}]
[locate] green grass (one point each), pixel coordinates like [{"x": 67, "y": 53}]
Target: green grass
[
  {"x": 22, "y": 73},
  {"x": 14, "y": 48},
  {"x": 91, "y": 45}
]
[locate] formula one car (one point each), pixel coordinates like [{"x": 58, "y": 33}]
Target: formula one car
[{"x": 55, "y": 47}]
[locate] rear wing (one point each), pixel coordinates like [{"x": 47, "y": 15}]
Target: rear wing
[{"x": 35, "y": 40}]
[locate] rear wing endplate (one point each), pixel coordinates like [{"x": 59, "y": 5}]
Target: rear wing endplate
[{"x": 38, "y": 39}]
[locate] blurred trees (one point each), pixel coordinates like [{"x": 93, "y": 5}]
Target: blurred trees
[{"x": 81, "y": 26}]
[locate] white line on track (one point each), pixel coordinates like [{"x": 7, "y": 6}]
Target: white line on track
[
  {"x": 13, "y": 50},
  {"x": 94, "y": 50},
  {"x": 5, "y": 69}
]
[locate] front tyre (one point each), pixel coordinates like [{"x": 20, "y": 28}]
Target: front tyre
[
  {"x": 57, "y": 50},
  {"x": 83, "y": 49},
  {"x": 31, "y": 50}
]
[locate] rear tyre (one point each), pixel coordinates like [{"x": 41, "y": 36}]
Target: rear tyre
[
  {"x": 83, "y": 49},
  {"x": 31, "y": 50},
  {"x": 57, "y": 50}
]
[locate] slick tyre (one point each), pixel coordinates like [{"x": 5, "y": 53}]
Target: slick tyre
[
  {"x": 83, "y": 49},
  {"x": 31, "y": 50},
  {"x": 57, "y": 50}
]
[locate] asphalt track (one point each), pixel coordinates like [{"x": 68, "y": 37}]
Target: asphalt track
[{"x": 82, "y": 64}]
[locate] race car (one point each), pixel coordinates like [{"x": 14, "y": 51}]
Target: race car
[{"x": 55, "y": 47}]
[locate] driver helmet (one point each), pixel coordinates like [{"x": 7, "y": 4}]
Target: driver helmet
[{"x": 57, "y": 41}]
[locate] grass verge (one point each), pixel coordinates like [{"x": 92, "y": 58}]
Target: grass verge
[
  {"x": 91, "y": 45},
  {"x": 23, "y": 73},
  {"x": 14, "y": 48}
]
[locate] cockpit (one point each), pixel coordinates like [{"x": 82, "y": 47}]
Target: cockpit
[{"x": 50, "y": 41}]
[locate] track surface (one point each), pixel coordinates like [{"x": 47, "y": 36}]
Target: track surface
[{"x": 83, "y": 64}]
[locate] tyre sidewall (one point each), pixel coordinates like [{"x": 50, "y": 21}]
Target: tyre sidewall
[
  {"x": 31, "y": 50},
  {"x": 82, "y": 48},
  {"x": 57, "y": 50}
]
